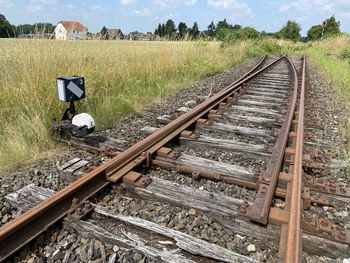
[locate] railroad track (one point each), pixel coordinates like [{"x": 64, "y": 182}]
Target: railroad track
[{"x": 250, "y": 136}]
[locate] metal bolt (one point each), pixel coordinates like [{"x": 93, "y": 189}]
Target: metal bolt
[
  {"x": 257, "y": 172},
  {"x": 87, "y": 205},
  {"x": 75, "y": 202},
  {"x": 266, "y": 180},
  {"x": 307, "y": 217},
  {"x": 78, "y": 211},
  {"x": 341, "y": 235},
  {"x": 195, "y": 175},
  {"x": 244, "y": 206},
  {"x": 324, "y": 222},
  {"x": 339, "y": 228},
  {"x": 143, "y": 181}
]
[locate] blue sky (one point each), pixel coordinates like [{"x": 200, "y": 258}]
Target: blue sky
[{"x": 131, "y": 15}]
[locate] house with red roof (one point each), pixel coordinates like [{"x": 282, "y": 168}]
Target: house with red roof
[{"x": 70, "y": 30}]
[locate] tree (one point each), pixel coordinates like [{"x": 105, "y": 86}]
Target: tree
[
  {"x": 211, "y": 30},
  {"x": 236, "y": 27},
  {"x": 6, "y": 29},
  {"x": 158, "y": 30},
  {"x": 223, "y": 24},
  {"x": 291, "y": 30},
  {"x": 162, "y": 30},
  {"x": 44, "y": 28},
  {"x": 332, "y": 26},
  {"x": 182, "y": 28},
  {"x": 104, "y": 33},
  {"x": 194, "y": 31},
  {"x": 314, "y": 33},
  {"x": 170, "y": 28},
  {"x": 231, "y": 35}
]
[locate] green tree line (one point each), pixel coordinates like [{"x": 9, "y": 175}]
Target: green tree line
[
  {"x": 9, "y": 30},
  {"x": 222, "y": 30},
  {"x": 227, "y": 32}
]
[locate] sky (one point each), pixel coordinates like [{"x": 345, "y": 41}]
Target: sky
[{"x": 145, "y": 15}]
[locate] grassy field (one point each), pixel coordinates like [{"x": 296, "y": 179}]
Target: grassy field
[
  {"x": 120, "y": 77},
  {"x": 332, "y": 57}
]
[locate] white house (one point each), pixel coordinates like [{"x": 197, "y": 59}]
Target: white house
[{"x": 70, "y": 30}]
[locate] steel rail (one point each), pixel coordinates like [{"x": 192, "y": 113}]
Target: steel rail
[
  {"x": 247, "y": 74},
  {"x": 259, "y": 210},
  {"x": 293, "y": 250},
  {"x": 153, "y": 142},
  {"x": 29, "y": 225}
]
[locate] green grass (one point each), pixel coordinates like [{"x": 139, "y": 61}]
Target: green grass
[
  {"x": 331, "y": 56},
  {"x": 120, "y": 77}
]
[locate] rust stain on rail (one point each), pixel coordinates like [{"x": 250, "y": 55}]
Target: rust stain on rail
[{"x": 293, "y": 250}]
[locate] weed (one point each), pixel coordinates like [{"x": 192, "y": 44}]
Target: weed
[
  {"x": 345, "y": 53},
  {"x": 120, "y": 76}
]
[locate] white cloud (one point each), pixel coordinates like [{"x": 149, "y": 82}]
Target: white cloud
[
  {"x": 232, "y": 5},
  {"x": 33, "y": 8},
  {"x": 128, "y": 2},
  {"x": 174, "y": 3},
  {"x": 327, "y": 8},
  {"x": 190, "y": 2},
  {"x": 226, "y": 4},
  {"x": 284, "y": 8},
  {"x": 6, "y": 4},
  {"x": 323, "y": 6},
  {"x": 143, "y": 12},
  {"x": 44, "y": 1},
  {"x": 70, "y": 6},
  {"x": 97, "y": 8}
]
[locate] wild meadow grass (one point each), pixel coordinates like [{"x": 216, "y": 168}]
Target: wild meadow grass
[
  {"x": 330, "y": 55},
  {"x": 120, "y": 77},
  {"x": 327, "y": 55}
]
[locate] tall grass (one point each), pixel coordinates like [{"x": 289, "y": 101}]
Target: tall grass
[
  {"x": 120, "y": 77},
  {"x": 330, "y": 55}
]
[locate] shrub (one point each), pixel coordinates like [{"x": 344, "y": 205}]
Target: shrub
[
  {"x": 230, "y": 35},
  {"x": 345, "y": 53},
  {"x": 314, "y": 33},
  {"x": 291, "y": 31}
]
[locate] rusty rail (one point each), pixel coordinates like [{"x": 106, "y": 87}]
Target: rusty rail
[
  {"x": 255, "y": 68},
  {"x": 293, "y": 251},
  {"x": 259, "y": 210},
  {"x": 29, "y": 225}
]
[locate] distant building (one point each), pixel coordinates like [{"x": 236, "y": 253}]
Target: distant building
[
  {"x": 115, "y": 34},
  {"x": 139, "y": 36},
  {"x": 70, "y": 30}
]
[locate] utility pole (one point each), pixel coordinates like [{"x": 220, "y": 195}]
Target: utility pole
[{"x": 324, "y": 24}]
